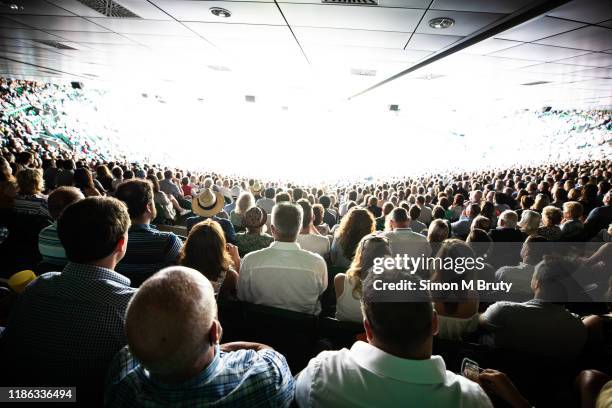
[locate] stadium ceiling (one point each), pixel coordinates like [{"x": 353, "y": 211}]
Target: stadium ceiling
[{"x": 285, "y": 49}]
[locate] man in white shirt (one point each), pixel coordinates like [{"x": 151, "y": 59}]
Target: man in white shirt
[
  {"x": 267, "y": 201},
  {"x": 520, "y": 276},
  {"x": 402, "y": 239},
  {"x": 284, "y": 275},
  {"x": 395, "y": 367},
  {"x": 309, "y": 238}
]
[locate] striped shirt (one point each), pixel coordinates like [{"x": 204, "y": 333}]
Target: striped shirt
[
  {"x": 31, "y": 205},
  {"x": 243, "y": 378},
  {"x": 69, "y": 323},
  {"x": 50, "y": 246},
  {"x": 148, "y": 251}
]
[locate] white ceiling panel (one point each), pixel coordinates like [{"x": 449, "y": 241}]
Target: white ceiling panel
[
  {"x": 360, "y": 38},
  {"x": 352, "y": 17},
  {"x": 138, "y": 26},
  {"x": 162, "y": 41},
  {"x": 415, "y": 4},
  {"x": 490, "y": 45},
  {"x": 59, "y": 23},
  {"x": 598, "y": 72},
  {"x": 595, "y": 59},
  {"x": 481, "y": 6},
  {"x": 90, "y": 37},
  {"x": 590, "y": 38},
  {"x": 28, "y": 34},
  {"x": 539, "y": 28},
  {"x": 242, "y": 12},
  {"x": 553, "y": 68},
  {"x": 589, "y": 11},
  {"x": 466, "y": 23},
  {"x": 538, "y": 52},
  {"x": 431, "y": 42},
  {"x": 249, "y": 32}
]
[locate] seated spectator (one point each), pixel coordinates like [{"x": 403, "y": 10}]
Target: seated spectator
[
  {"x": 117, "y": 176},
  {"x": 414, "y": 213},
  {"x": 356, "y": 224},
  {"x": 530, "y": 222},
  {"x": 208, "y": 204},
  {"x": 551, "y": 218},
  {"x": 402, "y": 239},
  {"x": 348, "y": 286},
  {"x": 30, "y": 200},
  {"x": 49, "y": 244},
  {"x": 571, "y": 225},
  {"x": 457, "y": 207},
  {"x": 309, "y": 238},
  {"x": 457, "y": 310},
  {"x": 373, "y": 207},
  {"x": 186, "y": 187},
  {"x": 173, "y": 357},
  {"x": 148, "y": 249},
  {"x": 168, "y": 186},
  {"x": 506, "y": 232},
  {"x": 394, "y": 366},
  {"x": 254, "y": 238},
  {"x": 8, "y": 185},
  {"x": 542, "y": 325},
  {"x": 167, "y": 212},
  {"x": 330, "y": 217},
  {"x": 381, "y": 221},
  {"x": 437, "y": 233},
  {"x": 481, "y": 244},
  {"x": 533, "y": 250},
  {"x": 481, "y": 222},
  {"x": 244, "y": 202},
  {"x": 67, "y": 326},
  {"x": 284, "y": 275},
  {"x": 85, "y": 182},
  {"x": 425, "y": 215},
  {"x": 104, "y": 176},
  {"x": 527, "y": 202},
  {"x": 317, "y": 220},
  {"x": 234, "y": 193},
  {"x": 267, "y": 201},
  {"x": 65, "y": 176},
  {"x": 461, "y": 228},
  {"x": 600, "y": 217},
  {"x": 207, "y": 252}
]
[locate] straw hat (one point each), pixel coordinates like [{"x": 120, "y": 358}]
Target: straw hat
[
  {"x": 255, "y": 217},
  {"x": 207, "y": 203},
  {"x": 257, "y": 187}
]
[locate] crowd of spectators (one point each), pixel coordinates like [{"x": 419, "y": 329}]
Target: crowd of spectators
[{"x": 136, "y": 262}]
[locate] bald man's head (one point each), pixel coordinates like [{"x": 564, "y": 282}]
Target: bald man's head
[{"x": 169, "y": 321}]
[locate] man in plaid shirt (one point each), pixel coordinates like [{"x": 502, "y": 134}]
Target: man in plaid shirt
[{"x": 174, "y": 358}]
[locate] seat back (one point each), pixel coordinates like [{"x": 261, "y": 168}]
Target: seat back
[{"x": 19, "y": 250}]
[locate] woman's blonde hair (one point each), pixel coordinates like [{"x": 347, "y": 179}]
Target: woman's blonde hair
[
  {"x": 370, "y": 247},
  {"x": 30, "y": 181},
  {"x": 244, "y": 202}
]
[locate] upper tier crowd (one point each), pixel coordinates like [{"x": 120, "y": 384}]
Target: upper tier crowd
[{"x": 141, "y": 256}]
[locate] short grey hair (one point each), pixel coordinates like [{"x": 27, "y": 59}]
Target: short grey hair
[
  {"x": 287, "y": 220},
  {"x": 510, "y": 219},
  {"x": 169, "y": 319}
]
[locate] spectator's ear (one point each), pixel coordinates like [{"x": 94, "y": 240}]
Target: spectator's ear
[
  {"x": 122, "y": 244},
  {"x": 215, "y": 333}
]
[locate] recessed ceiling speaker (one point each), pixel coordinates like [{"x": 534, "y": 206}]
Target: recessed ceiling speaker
[
  {"x": 77, "y": 85},
  {"x": 394, "y": 108},
  {"x": 249, "y": 98}
]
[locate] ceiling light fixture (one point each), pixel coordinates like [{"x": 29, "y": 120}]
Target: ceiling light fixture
[
  {"x": 441, "y": 23},
  {"x": 220, "y": 12}
]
